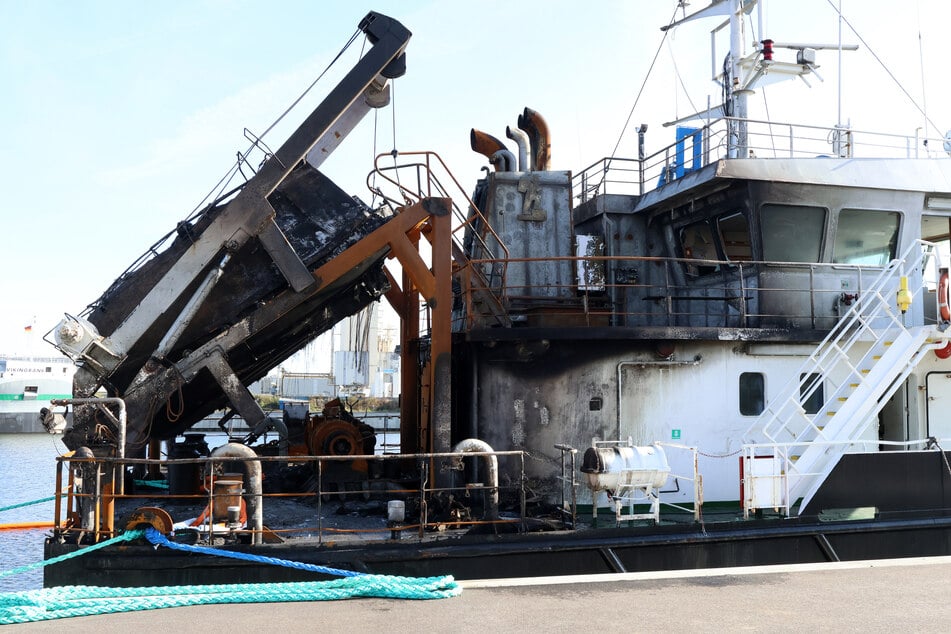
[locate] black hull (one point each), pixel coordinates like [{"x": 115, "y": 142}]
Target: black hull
[{"x": 675, "y": 547}]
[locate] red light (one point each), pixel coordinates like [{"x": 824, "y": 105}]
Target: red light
[{"x": 768, "y": 50}]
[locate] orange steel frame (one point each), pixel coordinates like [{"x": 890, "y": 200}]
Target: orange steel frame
[{"x": 425, "y": 403}]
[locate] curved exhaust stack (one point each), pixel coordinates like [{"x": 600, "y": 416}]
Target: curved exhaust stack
[
  {"x": 493, "y": 149},
  {"x": 521, "y": 140},
  {"x": 252, "y": 497},
  {"x": 492, "y": 471},
  {"x": 537, "y": 130}
]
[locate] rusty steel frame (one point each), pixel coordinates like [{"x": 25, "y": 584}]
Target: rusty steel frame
[{"x": 425, "y": 409}]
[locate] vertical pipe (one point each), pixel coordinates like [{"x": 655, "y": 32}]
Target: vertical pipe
[
  {"x": 59, "y": 494},
  {"x": 96, "y": 498}
]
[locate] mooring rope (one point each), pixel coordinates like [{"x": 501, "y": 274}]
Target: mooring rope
[
  {"x": 68, "y": 601},
  {"x": 158, "y": 539},
  {"x": 30, "y": 503}
]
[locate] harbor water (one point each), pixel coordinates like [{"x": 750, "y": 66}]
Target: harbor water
[{"x": 27, "y": 473}]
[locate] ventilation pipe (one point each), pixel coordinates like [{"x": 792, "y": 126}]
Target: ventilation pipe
[
  {"x": 521, "y": 139},
  {"x": 252, "y": 470},
  {"x": 492, "y": 471},
  {"x": 493, "y": 149},
  {"x": 537, "y": 130}
]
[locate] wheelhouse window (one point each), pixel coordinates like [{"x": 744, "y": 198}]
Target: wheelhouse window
[
  {"x": 696, "y": 242},
  {"x": 735, "y": 237},
  {"x": 752, "y": 394},
  {"x": 865, "y": 236},
  {"x": 792, "y": 233}
]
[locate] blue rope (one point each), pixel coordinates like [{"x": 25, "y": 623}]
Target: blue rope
[
  {"x": 21, "y": 504},
  {"x": 158, "y": 539}
]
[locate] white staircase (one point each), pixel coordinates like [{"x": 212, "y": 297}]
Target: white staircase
[{"x": 805, "y": 447}]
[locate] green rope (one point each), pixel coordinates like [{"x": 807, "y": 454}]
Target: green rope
[
  {"x": 68, "y": 601},
  {"x": 155, "y": 484},
  {"x": 21, "y": 504},
  {"x": 124, "y": 537}
]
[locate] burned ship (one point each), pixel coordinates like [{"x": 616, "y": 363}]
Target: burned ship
[{"x": 731, "y": 351}]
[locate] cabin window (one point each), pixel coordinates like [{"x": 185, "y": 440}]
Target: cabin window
[
  {"x": 792, "y": 233},
  {"x": 866, "y": 237},
  {"x": 696, "y": 242},
  {"x": 735, "y": 237},
  {"x": 752, "y": 394},
  {"x": 811, "y": 400}
]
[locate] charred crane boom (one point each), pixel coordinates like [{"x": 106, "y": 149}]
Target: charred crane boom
[{"x": 234, "y": 294}]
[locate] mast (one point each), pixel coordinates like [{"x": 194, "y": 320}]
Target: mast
[{"x": 738, "y": 107}]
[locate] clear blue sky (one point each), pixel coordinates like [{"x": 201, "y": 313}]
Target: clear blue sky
[{"x": 121, "y": 115}]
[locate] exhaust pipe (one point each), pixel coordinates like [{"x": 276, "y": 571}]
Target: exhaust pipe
[
  {"x": 492, "y": 471},
  {"x": 252, "y": 470},
  {"x": 534, "y": 124},
  {"x": 493, "y": 149},
  {"x": 521, "y": 139}
]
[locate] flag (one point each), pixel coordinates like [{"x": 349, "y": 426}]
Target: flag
[{"x": 28, "y": 328}]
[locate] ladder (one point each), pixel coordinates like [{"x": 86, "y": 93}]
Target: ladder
[{"x": 806, "y": 447}]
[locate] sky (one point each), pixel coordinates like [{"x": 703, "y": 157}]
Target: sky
[{"x": 121, "y": 115}]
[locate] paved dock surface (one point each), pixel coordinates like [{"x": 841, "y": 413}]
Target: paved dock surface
[{"x": 909, "y": 595}]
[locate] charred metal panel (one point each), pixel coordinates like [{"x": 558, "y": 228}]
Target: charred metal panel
[
  {"x": 533, "y": 394},
  {"x": 319, "y": 220},
  {"x": 531, "y": 213}
]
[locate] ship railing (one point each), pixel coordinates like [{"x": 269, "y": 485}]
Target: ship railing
[
  {"x": 697, "y": 147},
  {"x": 91, "y": 509},
  {"x": 414, "y": 176},
  {"x": 690, "y": 292},
  {"x": 695, "y": 479},
  {"x": 768, "y": 470}
]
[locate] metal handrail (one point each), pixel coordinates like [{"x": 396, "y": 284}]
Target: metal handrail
[
  {"x": 66, "y": 523},
  {"x": 765, "y": 139},
  {"x": 717, "y": 298}
]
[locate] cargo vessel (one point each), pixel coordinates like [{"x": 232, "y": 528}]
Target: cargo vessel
[
  {"x": 730, "y": 351},
  {"x": 27, "y": 384}
]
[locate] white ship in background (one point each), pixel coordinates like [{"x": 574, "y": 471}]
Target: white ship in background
[{"x": 27, "y": 384}]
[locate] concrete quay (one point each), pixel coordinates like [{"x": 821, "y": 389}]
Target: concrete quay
[{"x": 911, "y": 595}]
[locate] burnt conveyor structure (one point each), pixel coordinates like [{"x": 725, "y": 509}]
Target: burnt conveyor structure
[{"x": 251, "y": 279}]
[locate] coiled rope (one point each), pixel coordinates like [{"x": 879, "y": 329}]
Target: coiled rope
[{"x": 68, "y": 601}]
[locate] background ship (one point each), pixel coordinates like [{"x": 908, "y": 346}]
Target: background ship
[{"x": 27, "y": 384}]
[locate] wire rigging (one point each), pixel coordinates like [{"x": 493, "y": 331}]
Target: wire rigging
[
  {"x": 884, "y": 67},
  {"x": 640, "y": 92},
  {"x": 199, "y": 209}
]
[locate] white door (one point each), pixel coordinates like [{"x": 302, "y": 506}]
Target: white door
[{"x": 939, "y": 405}]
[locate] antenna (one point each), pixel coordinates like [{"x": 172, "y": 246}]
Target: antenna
[{"x": 839, "y": 113}]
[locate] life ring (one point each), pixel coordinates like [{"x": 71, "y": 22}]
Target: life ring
[
  {"x": 943, "y": 353},
  {"x": 943, "y": 307}
]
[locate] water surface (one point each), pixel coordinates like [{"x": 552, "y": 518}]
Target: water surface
[{"x": 27, "y": 472}]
